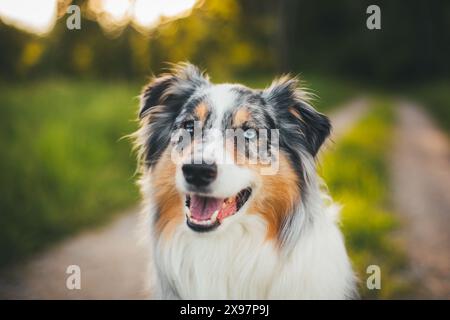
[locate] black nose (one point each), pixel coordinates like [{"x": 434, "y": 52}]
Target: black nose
[{"x": 199, "y": 175}]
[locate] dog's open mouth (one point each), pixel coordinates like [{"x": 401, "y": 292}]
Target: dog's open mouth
[{"x": 207, "y": 213}]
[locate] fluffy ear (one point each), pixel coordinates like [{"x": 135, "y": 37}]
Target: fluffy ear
[
  {"x": 300, "y": 120},
  {"x": 171, "y": 88},
  {"x": 161, "y": 102},
  {"x": 152, "y": 93}
]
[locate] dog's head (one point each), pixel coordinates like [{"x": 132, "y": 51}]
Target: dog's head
[{"x": 218, "y": 151}]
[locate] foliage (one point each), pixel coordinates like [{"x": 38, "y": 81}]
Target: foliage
[
  {"x": 246, "y": 37},
  {"x": 217, "y": 35}
]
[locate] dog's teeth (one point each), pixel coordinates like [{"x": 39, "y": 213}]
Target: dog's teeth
[
  {"x": 214, "y": 216},
  {"x": 205, "y": 222}
]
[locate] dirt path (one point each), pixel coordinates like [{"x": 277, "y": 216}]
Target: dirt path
[
  {"x": 112, "y": 265},
  {"x": 421, "y": 186}
]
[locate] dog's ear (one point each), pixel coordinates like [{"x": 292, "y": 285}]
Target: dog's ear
[
  {"x": 152, "y": 93},
  {"x": 297, "y": 115},
  {"x": 172, "y": 88},
  {"x": 161, "y": 102}
]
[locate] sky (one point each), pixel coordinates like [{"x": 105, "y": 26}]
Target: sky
[{"x": 39, "y": 16}]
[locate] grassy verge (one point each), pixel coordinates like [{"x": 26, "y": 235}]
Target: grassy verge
[
  {"x": 356, "y": 174},
  {"x": 62, "y": 165}
]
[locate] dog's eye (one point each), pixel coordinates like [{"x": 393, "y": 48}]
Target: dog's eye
[
  {"x": 189, "y": 126},
  {"x": 250, "y": 134}
]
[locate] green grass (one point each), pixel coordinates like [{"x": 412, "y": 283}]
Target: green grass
[
  {"x": 436, "y": 100},
  {"x": 62, "y": 164},
  {"x": 357, "y": 176}
]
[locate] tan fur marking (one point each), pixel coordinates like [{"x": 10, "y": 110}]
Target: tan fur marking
[
  {"x": 295, "y": 113},
  {"x": 168, "y": 199},
  {"x": 278, "y": 193},
  {"x": 240, "y": 117},
  {"x": 201, "y": 111}
]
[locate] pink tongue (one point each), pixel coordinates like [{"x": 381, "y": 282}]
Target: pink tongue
[{"x": 202, "y": 208}]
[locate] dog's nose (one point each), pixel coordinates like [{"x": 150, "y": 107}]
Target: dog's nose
[{"x": 199, "y": 175}]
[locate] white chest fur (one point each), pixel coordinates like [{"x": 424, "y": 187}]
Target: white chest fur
[{"x": 238, "y": 262}]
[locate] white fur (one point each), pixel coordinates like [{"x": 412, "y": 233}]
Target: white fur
[
  {"x": 236, "y": 261},
  {"x": 222, "y": 97}
]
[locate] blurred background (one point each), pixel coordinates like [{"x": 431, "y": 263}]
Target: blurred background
[{"x": 68, "y": 97}]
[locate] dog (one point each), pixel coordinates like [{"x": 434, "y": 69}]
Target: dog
[{"x": 225, "y": 229}]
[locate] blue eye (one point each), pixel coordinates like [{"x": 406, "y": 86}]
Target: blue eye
[{"x": 250, "y": 134}]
